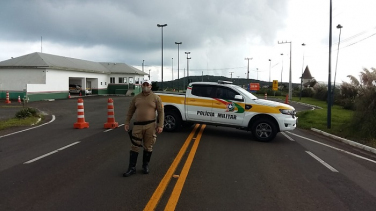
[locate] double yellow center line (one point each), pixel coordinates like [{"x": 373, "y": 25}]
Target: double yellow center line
[{"x": 158, "y": 193}]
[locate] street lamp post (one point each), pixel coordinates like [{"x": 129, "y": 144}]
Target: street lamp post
[
  {"x": 301, "y": 78},
  {"x": 270, "y": 70},
  {"x": 172, "y": 73},
  {"x": 290, "y": 85},
  {"x": 149, "y": 74},
  {"x": 178, "y": 43},
  {"x": 329, "y": 112},
  {"x": 335, "y": 74},
  {"x": 282, "y": 68},
  {"x": 187, "y": 66},
  {"x": 162, "y": 25},
  {"x": 143, "y": 65},
  {"x": 248, "y": 66}
]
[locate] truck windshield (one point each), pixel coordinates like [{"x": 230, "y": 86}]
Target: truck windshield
[{"x": 245, "y": 92}]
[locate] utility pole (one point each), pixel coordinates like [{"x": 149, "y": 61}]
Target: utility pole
[
  {"x": 248, "y": 66},
  {"x": 231, "y": 75},
  {"x": 329, "y": 112},
  {"x": 290, "y": 85}
]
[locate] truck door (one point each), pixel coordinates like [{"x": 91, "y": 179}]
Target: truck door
[
  {"x": 226, "y": 108},
  {"x": 199, "y": 103}
]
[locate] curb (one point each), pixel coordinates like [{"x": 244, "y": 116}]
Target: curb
[{"x": 349, "y": 142}]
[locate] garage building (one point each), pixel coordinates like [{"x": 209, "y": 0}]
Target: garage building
[{"x": 39, "y": 76}]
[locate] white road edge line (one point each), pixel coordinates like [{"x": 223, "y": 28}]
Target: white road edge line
[
  {"x": 341, "y": 150},
  {"x": 53, "y": 119},
  {"x": 322, "y": 162},
  {"x": 50, "y": 153},
  {"x": 288, "y": 137},
  {"x": 112, "y": 128}
]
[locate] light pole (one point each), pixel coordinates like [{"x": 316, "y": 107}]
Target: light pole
[
  {"x": 290, "y": 85},
  {"x": 178, "y": 43},
  {"x": 248, "y": 66},
  {"x": 335, "y": 74},
  {"x": 231, "y": 75},
  {"x": 329, "y": 113},
  {"x": 270, "y": 70},
  {"x": 282, "y": 68},
  {"x": 187, "y": 65},
  {"x": 162, "y": 25},
  {"x": 172, "y": 73},
  {"x": 143, "y": 65},
  {"x": 149, "y": 74},
  {"x": 301, "y": 78}
]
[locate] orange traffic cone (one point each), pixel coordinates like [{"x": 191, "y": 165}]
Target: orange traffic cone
[
  {"x": 19, "y": 99},
  {"x": 80, "y": 115},
  {"x": 80, "y": 93},
  {"x": 7, "y": 101},
  {"x": 69, "y": 95},
  {"x": 266, "y": 96},
  {"x": 110, "y": 115},
  {"x": 287, "y": 99}
]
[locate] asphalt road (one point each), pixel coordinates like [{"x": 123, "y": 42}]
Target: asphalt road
[{"x": 220, "y": 168}]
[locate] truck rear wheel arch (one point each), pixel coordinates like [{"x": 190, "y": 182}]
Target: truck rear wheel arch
[
  {"x": 173, "y": 119},
  {"x": 267, "y": 121}
]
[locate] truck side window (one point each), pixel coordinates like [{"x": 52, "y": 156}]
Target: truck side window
[
  {"x": 225, "y": 93},
  {"x": 201, "y": 90}
]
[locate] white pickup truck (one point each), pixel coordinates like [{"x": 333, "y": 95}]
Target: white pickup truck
[{"x": 225, "y": 104}]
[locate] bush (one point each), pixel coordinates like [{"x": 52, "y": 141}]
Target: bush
[
  {"x": 321, "y": 92},
  {"x": 27, "y": 112},
  {"x": 307, "y": 92}
]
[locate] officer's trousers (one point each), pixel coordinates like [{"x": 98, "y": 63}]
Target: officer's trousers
[{"x": 147, "y": 134}]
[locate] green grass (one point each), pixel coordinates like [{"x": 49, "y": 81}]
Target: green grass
[{"x": 15, "y": 122}]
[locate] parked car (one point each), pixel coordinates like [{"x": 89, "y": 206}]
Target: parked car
[{"x": 74, "y": 88}]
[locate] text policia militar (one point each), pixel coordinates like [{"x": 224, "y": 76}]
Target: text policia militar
[{"x": 219, "y": 115}]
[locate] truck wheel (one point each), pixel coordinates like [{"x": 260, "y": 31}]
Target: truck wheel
[
  {"x": 172, "y": 121},
  {"x": 264, "y": 130}
]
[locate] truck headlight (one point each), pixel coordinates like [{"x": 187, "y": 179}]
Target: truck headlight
[{"x": 288, "y": 112}]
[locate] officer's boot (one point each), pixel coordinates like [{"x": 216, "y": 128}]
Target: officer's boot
[
  {"x": 145, "y": 162},
  {"x": 132, "y": 164}
]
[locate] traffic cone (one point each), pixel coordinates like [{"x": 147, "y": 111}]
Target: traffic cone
[
  {"x": 287, "y": 99},
  {"x": 266, "y": 96},
  {"x": 110, "y": 115},
  {"x": 80, "y": 93},
  {"x": 69, "y": 95},
  {"x": 7, "y": 101},
  {"x": 19, "y": 99},
  {"x": 80, "y": 115}
]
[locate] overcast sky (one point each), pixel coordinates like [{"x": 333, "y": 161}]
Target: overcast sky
[{"x": 219, "y": 34}]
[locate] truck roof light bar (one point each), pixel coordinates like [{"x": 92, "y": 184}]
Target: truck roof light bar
[{"x": 224, "y": 82}]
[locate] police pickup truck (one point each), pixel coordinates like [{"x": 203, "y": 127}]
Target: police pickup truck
[{"x": 225, "y": 104}]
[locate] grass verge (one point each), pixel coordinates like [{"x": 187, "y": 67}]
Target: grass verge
[{"x": 15, "y": 122}]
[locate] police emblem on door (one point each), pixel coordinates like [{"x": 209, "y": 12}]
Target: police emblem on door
[{"x": 230, "y": 106}]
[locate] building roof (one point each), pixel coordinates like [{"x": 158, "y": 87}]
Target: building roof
[
  {"x": 307, "y": 74},
  {"x": 43, "y": 60}
]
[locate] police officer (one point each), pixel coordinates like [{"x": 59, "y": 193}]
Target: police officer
[{"x": 144, "y": 106}]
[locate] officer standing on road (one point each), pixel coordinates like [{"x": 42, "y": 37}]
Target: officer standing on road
[{"x": 144, "y": 105}]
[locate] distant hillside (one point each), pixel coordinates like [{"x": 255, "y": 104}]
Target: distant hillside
[{"x": 211, "y": 78}]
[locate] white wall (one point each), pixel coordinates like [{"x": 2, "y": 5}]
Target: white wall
[{"x": 16, "y": 79}]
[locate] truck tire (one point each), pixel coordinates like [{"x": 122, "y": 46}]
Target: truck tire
[
  {"x": 172, "y": 121},
  {"x": 264, "y": 130}
]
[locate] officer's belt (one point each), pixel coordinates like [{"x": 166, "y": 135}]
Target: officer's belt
[
  {"x": 144, "y": 122},
  {"x": 134, "y": 138}
]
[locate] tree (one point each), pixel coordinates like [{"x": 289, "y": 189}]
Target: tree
[
  {"x": 154, "y": 86},
  {"x": 364, "y": 118}
]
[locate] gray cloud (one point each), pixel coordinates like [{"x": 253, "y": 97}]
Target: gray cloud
[{"x": 130, "y": 27}]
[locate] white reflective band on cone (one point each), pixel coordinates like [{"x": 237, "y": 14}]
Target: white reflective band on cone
[
  {"x": 111, "y": 110},
  {"x": 80, "y": 116},
  {"x": 80, "y": 104},
  {"x": 110, "y": 104},
  {"x": 80, "y": 110},
  {"x": 110, "y": 116}
]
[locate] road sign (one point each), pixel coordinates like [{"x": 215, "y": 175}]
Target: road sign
[
  {"x": 275, "y": 85},
  {"x": 254, "y": 86}
]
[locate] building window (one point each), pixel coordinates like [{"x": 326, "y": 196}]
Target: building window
[
  {"x": 121, "y": 80},
  {"x": 130, "y": 80},
  {"x": 105, "y": 83},
  {"x": 125, "y": 80},
  {"x": 112, "y": 80},
  {"x": 101, "y": 83}
]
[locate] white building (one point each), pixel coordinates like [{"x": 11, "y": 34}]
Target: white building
[{"x": 44, "y": 76}]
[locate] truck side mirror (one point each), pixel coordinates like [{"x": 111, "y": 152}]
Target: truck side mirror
[{"x": 238, "y": 97}]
